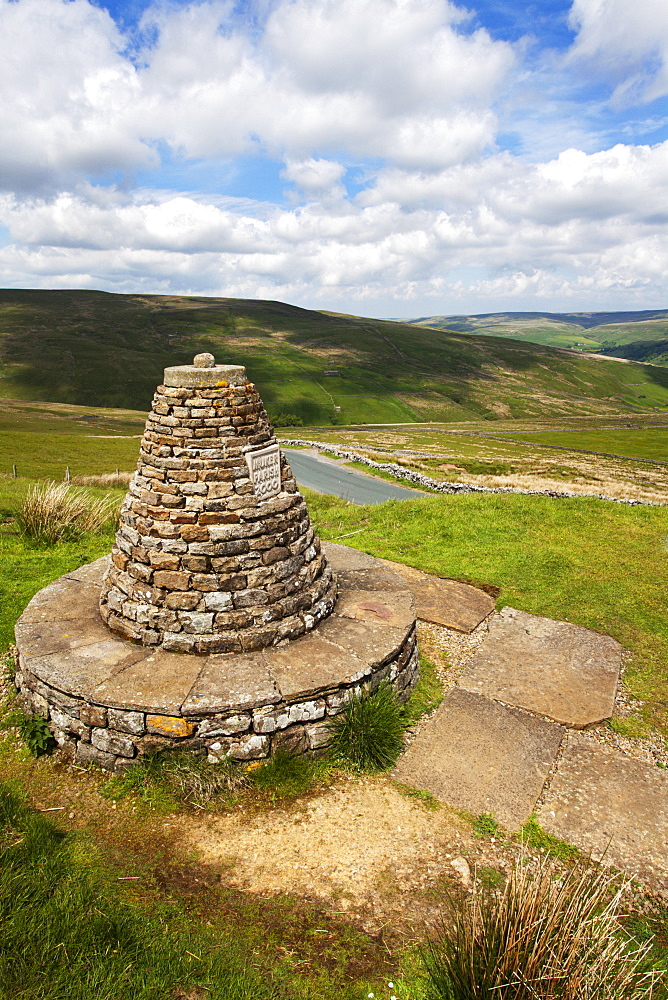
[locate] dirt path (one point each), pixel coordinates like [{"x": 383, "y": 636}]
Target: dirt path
[{"x": 362, "y": 847}]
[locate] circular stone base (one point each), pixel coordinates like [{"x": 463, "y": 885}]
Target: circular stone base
[{"x": 110, "y": 701}]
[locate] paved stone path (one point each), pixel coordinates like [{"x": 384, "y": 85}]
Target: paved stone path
[
  {"x": 445, "y": 602},
  {"x": 508, "y": 736}
]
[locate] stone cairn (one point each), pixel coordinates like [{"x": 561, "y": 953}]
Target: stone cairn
[
  {"x": 215, "y": 552},
  {"x": 199, "y": 631}
]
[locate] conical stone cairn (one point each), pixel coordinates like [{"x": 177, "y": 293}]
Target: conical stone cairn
[{"x": 215, "y": 552}]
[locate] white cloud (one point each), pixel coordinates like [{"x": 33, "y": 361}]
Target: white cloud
[
  {"x": 629, "y": 40},
  {"x": 586, "y": 230},
  {"x": 315, "y": 177},
  {"x": 66, "y": 91},
  {"x": 380, "y": 78},
  {"x": 404, "y": 90}
]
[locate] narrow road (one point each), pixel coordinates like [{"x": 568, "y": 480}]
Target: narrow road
[{"x": 325, "y": 476}]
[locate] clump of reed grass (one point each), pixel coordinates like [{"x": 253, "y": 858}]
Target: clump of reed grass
[
  {"x": 54, "y": 512},
  {"x": 105, "y": 481},
  {"x": 369, "y": 732},
  {"x": 546, "y": 935}
]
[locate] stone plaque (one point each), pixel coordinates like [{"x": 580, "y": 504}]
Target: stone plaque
[{"x": 265, "y": 471}]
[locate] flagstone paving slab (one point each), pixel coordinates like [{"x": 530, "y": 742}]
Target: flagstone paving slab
[
  {"x": 160, "y": 682},
  {"x": 562, "y": 671},
  {"x": 92, "y": 573},
  {"x": 310, "y": 667},
  {"x": 231, "y": 682},
  {"x": 445, "y": 602},
  {"x": 480, "y": 756},
  {"x": 77, "y": 671},
  {"x": 340, "y": 557},
  {"x": 611, "y": 805},
  {"x": 394, "y": 608}
]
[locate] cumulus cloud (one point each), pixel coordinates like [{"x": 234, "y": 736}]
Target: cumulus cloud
[
  {"x": 627, "y": 39},
  {"x": 66, "y": 93},
  {"x": 379, "y": 78},
  {"x": 315, "y": 177},
  {"x": 395, "y": 101},
  {"x": 578, "y": 226}
]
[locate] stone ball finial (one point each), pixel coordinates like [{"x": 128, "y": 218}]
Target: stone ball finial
[{"x": 204, "y": 361}]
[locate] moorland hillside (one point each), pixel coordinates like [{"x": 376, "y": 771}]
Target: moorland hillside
[{"x": 101, "y": 349}]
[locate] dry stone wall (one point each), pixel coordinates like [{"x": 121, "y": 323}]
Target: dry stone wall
[{"x": 215, "y": 551}]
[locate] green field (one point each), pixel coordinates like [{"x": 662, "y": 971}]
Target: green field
[
  {"x": 98, "y": 349},
  {"x": 648, "y": 444},
  {"x": 42, "y": 440},
  {"x": 639, "y": 336}
]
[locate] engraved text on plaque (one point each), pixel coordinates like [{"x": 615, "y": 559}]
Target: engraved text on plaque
[{"x": 264, "y": 467}]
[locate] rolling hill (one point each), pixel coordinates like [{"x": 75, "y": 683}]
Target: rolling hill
[
  {"x": 637, "y": 336},
  {"x": 101, "y": 349}
]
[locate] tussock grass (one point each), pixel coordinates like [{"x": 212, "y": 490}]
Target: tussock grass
[
  {"x": 53, "y": 512},
  {"x": 544, "y": 936},
  {"x": 369, "y": 732}
]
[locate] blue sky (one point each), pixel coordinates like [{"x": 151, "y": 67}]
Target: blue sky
[{"x": 380, "y": 157}]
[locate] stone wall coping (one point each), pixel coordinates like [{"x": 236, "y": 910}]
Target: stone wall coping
[{"x": 64, "y": 645}]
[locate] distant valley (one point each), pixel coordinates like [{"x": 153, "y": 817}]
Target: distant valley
[{"x": 638, "y": 336}]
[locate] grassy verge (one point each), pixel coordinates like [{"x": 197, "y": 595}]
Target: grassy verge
[
  {"x": 594, "y": 563},
  {"x": 70, "y": 930}
]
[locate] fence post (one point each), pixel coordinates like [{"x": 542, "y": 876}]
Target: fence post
[
  {"x": 68, "y": 475},
  {"x": 14, "y": 472}
]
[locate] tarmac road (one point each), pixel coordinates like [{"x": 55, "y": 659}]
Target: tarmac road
[{"x": 326, "y": 476}]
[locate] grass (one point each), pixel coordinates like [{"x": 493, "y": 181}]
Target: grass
[
  {"x": 173, "y": 778},
  {"x": 368, "y": 733},
  {"x": 26, "y": 568},
  {"x": 600, "y": 565},
  {"x": 169, "y": 780},
  {"x": 545, "y": 935},
  {"x": 597, "y": 564},
  {"x": 427, "y": 694},
  {"x": 485, "y": 825},
  {"x": 641, "y": 444},
  {"x": 48, "y": 456},
  {"x": 136, "y": 919},
  {"x": 69, "y": 930},
  {"x": 425, "y": 798},
  {"x": 533, "y": 835},
  {"x": 285, "y": 777}
]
